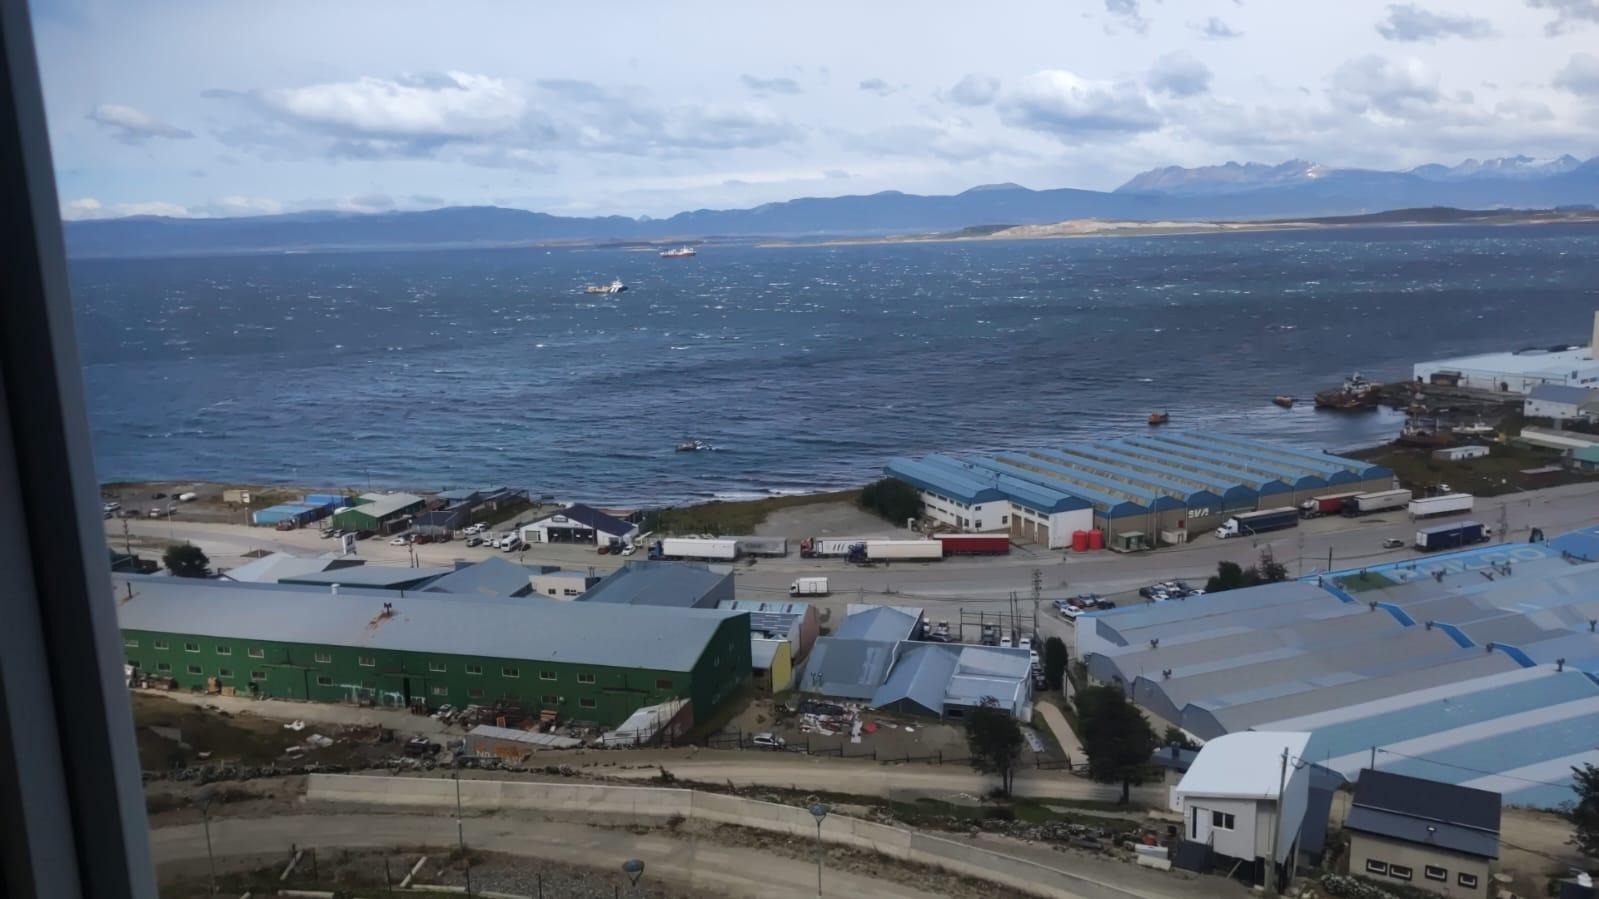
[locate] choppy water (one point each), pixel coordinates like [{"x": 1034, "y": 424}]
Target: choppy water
[{"x": 808, "y": 368}]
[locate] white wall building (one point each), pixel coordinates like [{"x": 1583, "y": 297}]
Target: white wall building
[
  {"x": 1560, "y": 402},
  {"x": 1520, "y": 371},
  {"x": 1239, "y": 792}
]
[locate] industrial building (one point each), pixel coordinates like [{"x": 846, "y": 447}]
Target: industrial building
[
  {"x": 580, "y": 661},
  {"x": 684, "y": 585},
  {"x": 1517, "y": 372},
  {"x": 1478, "y": 668},
  {"x": 1561, "y": 402},
  {"x": 1244, "y": 798},
  {"x": 578, "y": 523},
  {"x": 1138, "y": 491},
  {"x": 781, "y": 636},
  {"x": 1438, "y": 837},
  {"x": 385, "y": 513}
]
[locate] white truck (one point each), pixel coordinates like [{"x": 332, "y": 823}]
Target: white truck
[
  {"x": 827, "y": 547},
  {"x": 908, "y": 550},
  {"x": 699, "y": 548},
  {"x": 808, "y": 586},
  {"x": 1447, "y": 504},
  {"x": 1380, "y": 501}
]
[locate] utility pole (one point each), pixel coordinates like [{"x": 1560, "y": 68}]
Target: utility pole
[
  {"x": 1277, "y": 826},
  {"x": 1038, "y": 588},
  {"x": 127, "y": 538},
  {"x": 1504, "y": 520}
]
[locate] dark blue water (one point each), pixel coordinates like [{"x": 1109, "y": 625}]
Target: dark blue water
[{"x": 808, "y": 368}]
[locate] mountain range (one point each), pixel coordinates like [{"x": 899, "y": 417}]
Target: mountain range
[{"x": 1234, "y": 191}]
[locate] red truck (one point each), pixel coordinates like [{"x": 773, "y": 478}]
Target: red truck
[
  {"x": 974, "y": 544},
  {"x": 1327, "y": 504}
]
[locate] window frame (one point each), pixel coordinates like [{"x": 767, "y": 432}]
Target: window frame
[
  {"x": 438, "y": 667},
  {"x": 1442, "y": 876},
  {"x": 474, "y": 670},
  {"x": 1375, "y": 866},
  {"x": 366, "y": 661},
  {"x": 190, "y": 647},
  {"x": 223, "y": 649},
  {"x": 586, "y": 678},
  {"x": 549, "y": 675},
  {"x": 258, "y": 677},
  {"x": 587, "y": 702},
  {"x": 510, "y": 672},
  {"x": 1469, "y": 881},
  {"x": 1401, "y": 872},
  {"x": 255, "y": 652},
  {"x": 322, "y": 658},
  {"x": 225, "y": 674},
  {"x": 323, "y": 680},
  {"x": 160, "y": 644},
  {"x": 1220, "y": 820},
  {"x": 194, "y": 670}
]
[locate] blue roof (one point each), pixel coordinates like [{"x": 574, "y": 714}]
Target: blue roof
[
  {"x": 1501, "y": 752},
  {"x": 1365, "y": 470},
  {"x": 1070, "y": 478},
  {"x": 963, "y": 486},
  {"x": 1113, "y": 506},
  {"x": 850, "y": 669},
  {"x": 920, "y": 676},
  {"x": 1199, "y": 497},
  {"x": 940, "y": 469},
  {"x": 1232, "y": 492},
  {"x": 1294, "y": 476},
  {"x": 493, "y": 576},
  {"x": 878, "y": 623},
  {"x": 681, "y": 584},
  {"x": 1264, "y": 486}
]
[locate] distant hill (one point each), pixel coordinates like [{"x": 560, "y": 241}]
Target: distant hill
[{"x": 1295, "y": 189}]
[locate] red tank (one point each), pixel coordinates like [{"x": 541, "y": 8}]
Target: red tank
[
  {"x": 1079, "y": 541},
  {"x": 1096, "y": 539}
]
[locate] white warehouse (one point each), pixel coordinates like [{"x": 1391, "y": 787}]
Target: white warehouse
[{"x": 1517, "y": 372}]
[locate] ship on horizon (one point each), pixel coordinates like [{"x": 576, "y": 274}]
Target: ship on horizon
[
  {"x": 678, "y": 253},
  {"x": 616, "y": 286}
]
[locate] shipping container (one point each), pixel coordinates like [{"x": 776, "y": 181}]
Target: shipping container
[
  {"x": 1258, "y": 522},
  {"x": 698, "y": 548},
  {"x": 974, "y": 544},
  {"x": 896, "y": 550},
  {"x": 1327, "y": 504},
  {"x": 1447, "y": 504},
  {"x": 808, "y": 586},
  {"x": 1451, "y": 536},
  {"x": 1380, "y": 501}
]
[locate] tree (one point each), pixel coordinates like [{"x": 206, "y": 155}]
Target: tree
[
  {"x": 891, "y": 499},
  {"x": 186, "y": 560},
  {"x": 1055, "y": 660},
  {"x": 1231, "y": 575},
  {"x": 1116, "y": 737},
  {"x": 994, "y": 740},
  {"x": 1173, "y": 736},
  {"x": 1585, "y": 814}
]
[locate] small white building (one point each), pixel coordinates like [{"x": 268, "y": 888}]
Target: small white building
[
  {"x": 1460, "y": 453},
  {"x": 1245, "y": 800},
  {"x": 579, "y": 524},
  {"x": 1560, "y": 402}
]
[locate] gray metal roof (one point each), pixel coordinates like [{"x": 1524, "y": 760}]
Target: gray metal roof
[
  {"x": 879, "y": 623},
  {"x": 1426, "y": 812},
  {"x": 497, "y": 628},
  {"x": 921, "y": 676},
  {"x": 270, "y": 568},
  {"x": 382, "y": 505},
  {"x": 393, "y": 577},
  {"x": 848, "y": 669},
  {"x": 1562, "y": 393},
  {"x": 679, "y": 584},
  {"x": 493, "y": 576}
]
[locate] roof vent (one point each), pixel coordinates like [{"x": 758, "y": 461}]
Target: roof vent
[{"x": 334, "y": 589}]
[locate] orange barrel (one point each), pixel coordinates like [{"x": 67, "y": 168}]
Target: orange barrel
[
  {"x": 1096, "y": 539},
  {"x": 1079, "y": 541}
]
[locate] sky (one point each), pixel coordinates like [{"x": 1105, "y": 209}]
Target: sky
[{"x": 191, "y": 108}]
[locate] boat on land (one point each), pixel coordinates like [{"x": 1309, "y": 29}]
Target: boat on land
[
  {"x": 1158, "y": 418},
  {"x": 1356, "y": 393},
  {"x": 615, "y": 287},
  {"x": 1283, "y": 400},
  {"x": 678, "y": 253}
]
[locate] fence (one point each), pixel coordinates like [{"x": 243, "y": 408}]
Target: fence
[{"x": 733, "y": 738}]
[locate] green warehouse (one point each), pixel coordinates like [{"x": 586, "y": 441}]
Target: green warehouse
[
  {"x": 583, "y": 662},
  {"x": 381, "y": 512}
]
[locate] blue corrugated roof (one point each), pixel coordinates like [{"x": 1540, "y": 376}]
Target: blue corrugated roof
[
  {"x": 1288, "y": 465},
  {"x": 962, "y": 486},
  {"x": 1111, "y": 505},
  {"x": 1110, "y": 455},
  {"x": 1262, "y": 485},
  {"x": 1069, "y": 479},
  {"x": 921, "y": 675},
  {"x": 1024, "y": 492},
  {"x": 1293, "y": 476},
  {"x": 1192, "y": 496},
  {"x": 1355, "y": 466}
]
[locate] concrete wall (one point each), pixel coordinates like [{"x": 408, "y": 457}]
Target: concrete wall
[
  {"x": 1020, "y": 874},
  {"x": 1392, "y": 852}
]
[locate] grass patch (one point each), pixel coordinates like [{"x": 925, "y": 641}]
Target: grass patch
[
  {"x": 1497, "y": 473},
  {"x": 735, "y": 518},
  {"x": 1366, "y": 580}
]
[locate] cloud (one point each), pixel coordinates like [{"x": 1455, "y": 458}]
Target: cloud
[
  {"x": 1126, "y": 11},
  {"x": 1075, "y": 109},
  {"x": 974, "y": 90},
  {"x": 877, "y": 86},
  {"x": 378, "y": 117},
  {"x": 1401, "y": 89},
  {"x": 1217, "y": 30},
  {"x": 1407, "y": 22},
  {"x": 88, "y": 208},
  {"x": 131, "y": 126},
  {"x": 1580, "y": 75},
  {"x": 770, "y": 85},
  {"x": 1569, "y": 14},
  {"x": 366, "y": 203},
  {"x": 1179, "y": 75},
  {"x": 949, "y": 139}
]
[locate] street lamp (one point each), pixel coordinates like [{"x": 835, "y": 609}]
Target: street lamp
[
  {"x": 819, "y": 811},
  {"x": 634, "y": 869},
  {"x": 203, "y": 799}
]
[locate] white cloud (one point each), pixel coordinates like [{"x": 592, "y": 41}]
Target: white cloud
[
  {"x": 1580, "y": 75},
  {"x": 1127, "y": 13},
  {"x": 1075, "y": 109},
  {"x": 1215, "y": 29},
  {"x": 133, "y": 126},
  {"x": 1569, "y": 14},
  {"x": 877, "y": 86},
  {"x": 87, "y": 208},
  {"x": 235, "y": 205},
  {"x": 425, "y": 110},
  {"x": 1401, "y": 89},
  {"x": 1409, "y": 22},
  {"x": 975, "y": 90},
  {"x": 770, "y": 85},
  {"x": 1179, "y": 75}
]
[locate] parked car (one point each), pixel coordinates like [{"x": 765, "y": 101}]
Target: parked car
[
  {"x": 1392, "y": 543},
  {"x": 767, "y": 741},
  {"x": 474, "y": 540},
  {"x": 421, "y": 747},
  {"x": 629, "y": 549},
  {"x": 514, "y": 544},
  {"x": 399, "y": 541},
  {"x": 422, "y": 538},
  {"x": 603, "y": 549},
  {"x": 112, "y": 507}
]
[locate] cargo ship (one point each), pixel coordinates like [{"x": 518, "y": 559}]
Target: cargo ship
[
  {"x": 678, "y": 253},
  {"x": 614, "y": 287},
  {"x": 1355, "y": 394}
]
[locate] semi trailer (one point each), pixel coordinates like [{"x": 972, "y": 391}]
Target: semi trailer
[
  {"x": 974, "y": 544},
  {"x": 1447, "y": 504},
  {"x": 695, "y": 548},
  {"x": 1247, "y": 523},
  {"x": 1380, "y": 501},
  {"x": 1327, "y": 504},
  {"x": 1452, "y": 536}
]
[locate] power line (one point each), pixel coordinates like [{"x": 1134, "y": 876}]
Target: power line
[{"x": 1422, "y": 758}]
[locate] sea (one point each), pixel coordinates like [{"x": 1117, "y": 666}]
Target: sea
[{"x": 807, "y": 368}]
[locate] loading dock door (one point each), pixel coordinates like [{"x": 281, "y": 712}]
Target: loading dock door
[{"x": 1043, "y": 534}]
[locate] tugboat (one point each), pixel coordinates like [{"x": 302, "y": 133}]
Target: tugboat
[
  {"x": 1283, "y": 400},
  {"x": 678, "y": 253},
  {"x": 694, "y": 446},
  {"x": 1356, "y": 393},
  {"x": 615, "y": 287},
  {"x": 1158, "y": 418}
]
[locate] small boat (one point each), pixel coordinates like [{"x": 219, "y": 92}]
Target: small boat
[
  {"x": 678, "y": 253},
  {"x": 614, "y": 287},
  {"x": 1475, "y": 429},
  {"x": 1283, "y": 400},
  {"x": 1158, "y": 418},
  {"x": 1356, "y": 393},
  {"x": 694, "y": 446}
]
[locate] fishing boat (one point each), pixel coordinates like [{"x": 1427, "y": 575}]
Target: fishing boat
[
  {"x": 678, "y": 253},
  {"x": 694, "y": 446},
  {"x": 1356, "y": 393},
  {"x": 1158, "y": 418},
  {"x": 1475, "y": 429},
  {"x": 1424, "y": 433},
  {"x": 615, "y": 287},
  {"x": 1283, "y": 400}
]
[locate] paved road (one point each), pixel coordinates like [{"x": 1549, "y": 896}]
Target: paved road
[{"x": 695, "y": 863}]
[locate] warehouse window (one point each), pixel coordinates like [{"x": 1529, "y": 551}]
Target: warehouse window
[
  {"x": 366, "y": 661},
  {"x": 439, "y": 667},
  {"x": 1376, "y": 867},
  {"x": 131, "y": 644},
  {"x": 585, "y": 678},
  {"x": 586, "y": 703},
  {"x": 255, "y": 652},
  {"x": 225, "y": 673},
  {"x": 160, "y": 644},
  {"x": 258, "y": 675},
  {"x": 546, "y": 675},
  {"x": 194, "y": 669},
  {"x": 1223, "y": 820},
  {"x": 322, "y": 680},
  {"x": 475, "y": 693},
  {"x": 164, "y": 667},
  {"x": 324, "y": 658},
  {"x": 663, "y": 684},
  {"x": 440, "y": 691},
  {"x": 568, "y": 591},
  {"x": 1469, "y": 881},
  {"x": 1399, "y": 872},
  {"x": 474, "y": 669},
  {"x": 550, "y": 699},
  {"x": 509, "y": 671},
  {"x": 191, "y": 647},
  {"x": 224, "y": 650},
  {"x": 1433, "y": 872}
]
